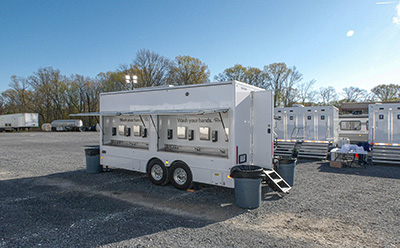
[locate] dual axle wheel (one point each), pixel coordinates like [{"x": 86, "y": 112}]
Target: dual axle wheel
[{"x": 179, "y": 174}]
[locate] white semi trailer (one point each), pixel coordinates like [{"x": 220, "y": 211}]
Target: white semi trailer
[
  {"x": 16, "y": 122},
  {"x": 384, "y": 132},
  {"x": 315, "y": 128},
  {"x": 185, "y": 134}
]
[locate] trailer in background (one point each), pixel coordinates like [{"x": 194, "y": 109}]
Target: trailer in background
[
  {"x": 185, "y": 134},
  {"x": 312, "y": 131},
  {"x": 66, "y": 125},
  {"x": 354, "y": 127},
  {"x": 17, "y": 122},
  {"x": 384, "y": 135}
]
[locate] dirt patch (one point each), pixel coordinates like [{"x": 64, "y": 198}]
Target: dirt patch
[{"x": 325, "y": 231}]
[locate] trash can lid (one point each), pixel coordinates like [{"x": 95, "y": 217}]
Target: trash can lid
[
  {"x": 94, "y": 146},
  {"x": 93, "y": 151},
  {"x": 287, "y": 160},
  {"x": 247, "y": 171}
]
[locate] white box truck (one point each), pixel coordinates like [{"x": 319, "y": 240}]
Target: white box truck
[
  {"x": 384, "y": 132},
  {"x": 16, "y": 122},
  {"x": 315, "y": 128},
  {"x": 185, "y": 134}
]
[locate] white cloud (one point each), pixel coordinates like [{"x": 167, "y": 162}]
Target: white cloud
[
  {"x": 396, "y": 19},
  {"x": 384, "y": 2},
  {"x": 350, "y": 33}
]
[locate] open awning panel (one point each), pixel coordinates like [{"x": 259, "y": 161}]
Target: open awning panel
[{"x": 155, "y": 112}]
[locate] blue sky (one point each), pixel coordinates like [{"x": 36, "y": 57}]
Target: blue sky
[{"x": 89, "y": 37}]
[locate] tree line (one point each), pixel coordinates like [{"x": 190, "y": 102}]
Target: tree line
[{"x": 54, "y": 96}]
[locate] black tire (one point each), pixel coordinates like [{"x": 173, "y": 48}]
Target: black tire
[
  {"x": 157, "y": 172},
  {"x": 180, "y": 176}
]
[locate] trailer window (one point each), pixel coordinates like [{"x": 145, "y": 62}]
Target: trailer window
[
  {"x": 381, "y": 117},
  {"x": 322, "y": 117},
  {"x": 350, "y": 125},
  {"x": 398, "y": 117},
  {"x": 291, "y": 118},
  {"x": 367, "y": 123},
  {"x": 309, "y": 117}
]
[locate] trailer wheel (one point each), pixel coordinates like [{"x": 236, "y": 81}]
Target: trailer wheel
[
  {"x": 180, "y": 176},
  {"x": 157, "y": 172}
]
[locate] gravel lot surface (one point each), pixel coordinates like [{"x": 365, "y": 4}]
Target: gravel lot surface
[{"x": 48, "y": 200}]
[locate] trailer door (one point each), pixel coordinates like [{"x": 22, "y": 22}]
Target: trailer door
[
  {"x": 382, "y": 127},
  {"x": 291, "y": 125},
  {"x": 323, "y": 126},
  {"x": 262, "y": 122},
  {"x": 395, "y": 130},
  {"x": 310, "y": 128}
]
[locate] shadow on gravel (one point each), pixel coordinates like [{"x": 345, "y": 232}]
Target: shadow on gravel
[
  {"x": 88, "y": 210},
  {"x": 371, "y": 170}
]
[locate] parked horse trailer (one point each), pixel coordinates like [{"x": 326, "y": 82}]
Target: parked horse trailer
[
  {"x": 354, "y": 127},
  {"x": 16, "y": 122},
  {"x": 384, "y": 134},
  {"x": 313, "y": 129},
  {"x": 186, "y": 134},
  {"x": 66, "y": 125}
]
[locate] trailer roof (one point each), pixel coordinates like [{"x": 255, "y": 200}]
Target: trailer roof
[{"x": 167, "y": 87}]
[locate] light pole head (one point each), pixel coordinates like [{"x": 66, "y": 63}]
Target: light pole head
[{"x": 130, "y": 79}]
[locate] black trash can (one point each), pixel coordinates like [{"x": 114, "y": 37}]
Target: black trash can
[
  {"x": 92, "y": 154},
  {"x": 285, "y": 169},
  {"x": 247, "y": 185}
]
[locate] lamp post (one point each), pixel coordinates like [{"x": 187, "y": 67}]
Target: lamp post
[{"x": 131, "y": 80}]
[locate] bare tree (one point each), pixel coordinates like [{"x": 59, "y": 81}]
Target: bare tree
[
  {"x": 354, "y": 94},
  {"x": 49, "y": 93},
  {"x": 305, "y": 92},
  {"x": 277, "y": 74},
  {"x": 150, "y": 68},
  {"x": 289, "y": 92},
  {"x": 18, "y": 98},
  {"x": 328, "y": 95}
]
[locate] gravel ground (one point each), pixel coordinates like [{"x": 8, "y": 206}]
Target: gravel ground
[{"x": 48, "y": 200}]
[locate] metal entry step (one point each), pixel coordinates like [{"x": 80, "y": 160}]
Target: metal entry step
[
  {"x": 276, "y": 182},
  {"x": 284, "y": 148},
  {"x": 386, "y": 154},
  {"x": 314, "y": 150}
]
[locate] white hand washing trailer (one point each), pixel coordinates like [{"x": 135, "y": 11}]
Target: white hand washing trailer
[
  {"x": 16, "y": 122},
  {"x": 186, "y": 134},
  {"x": 315, "y": 128},
  {"x": 384, "y": 132}
]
